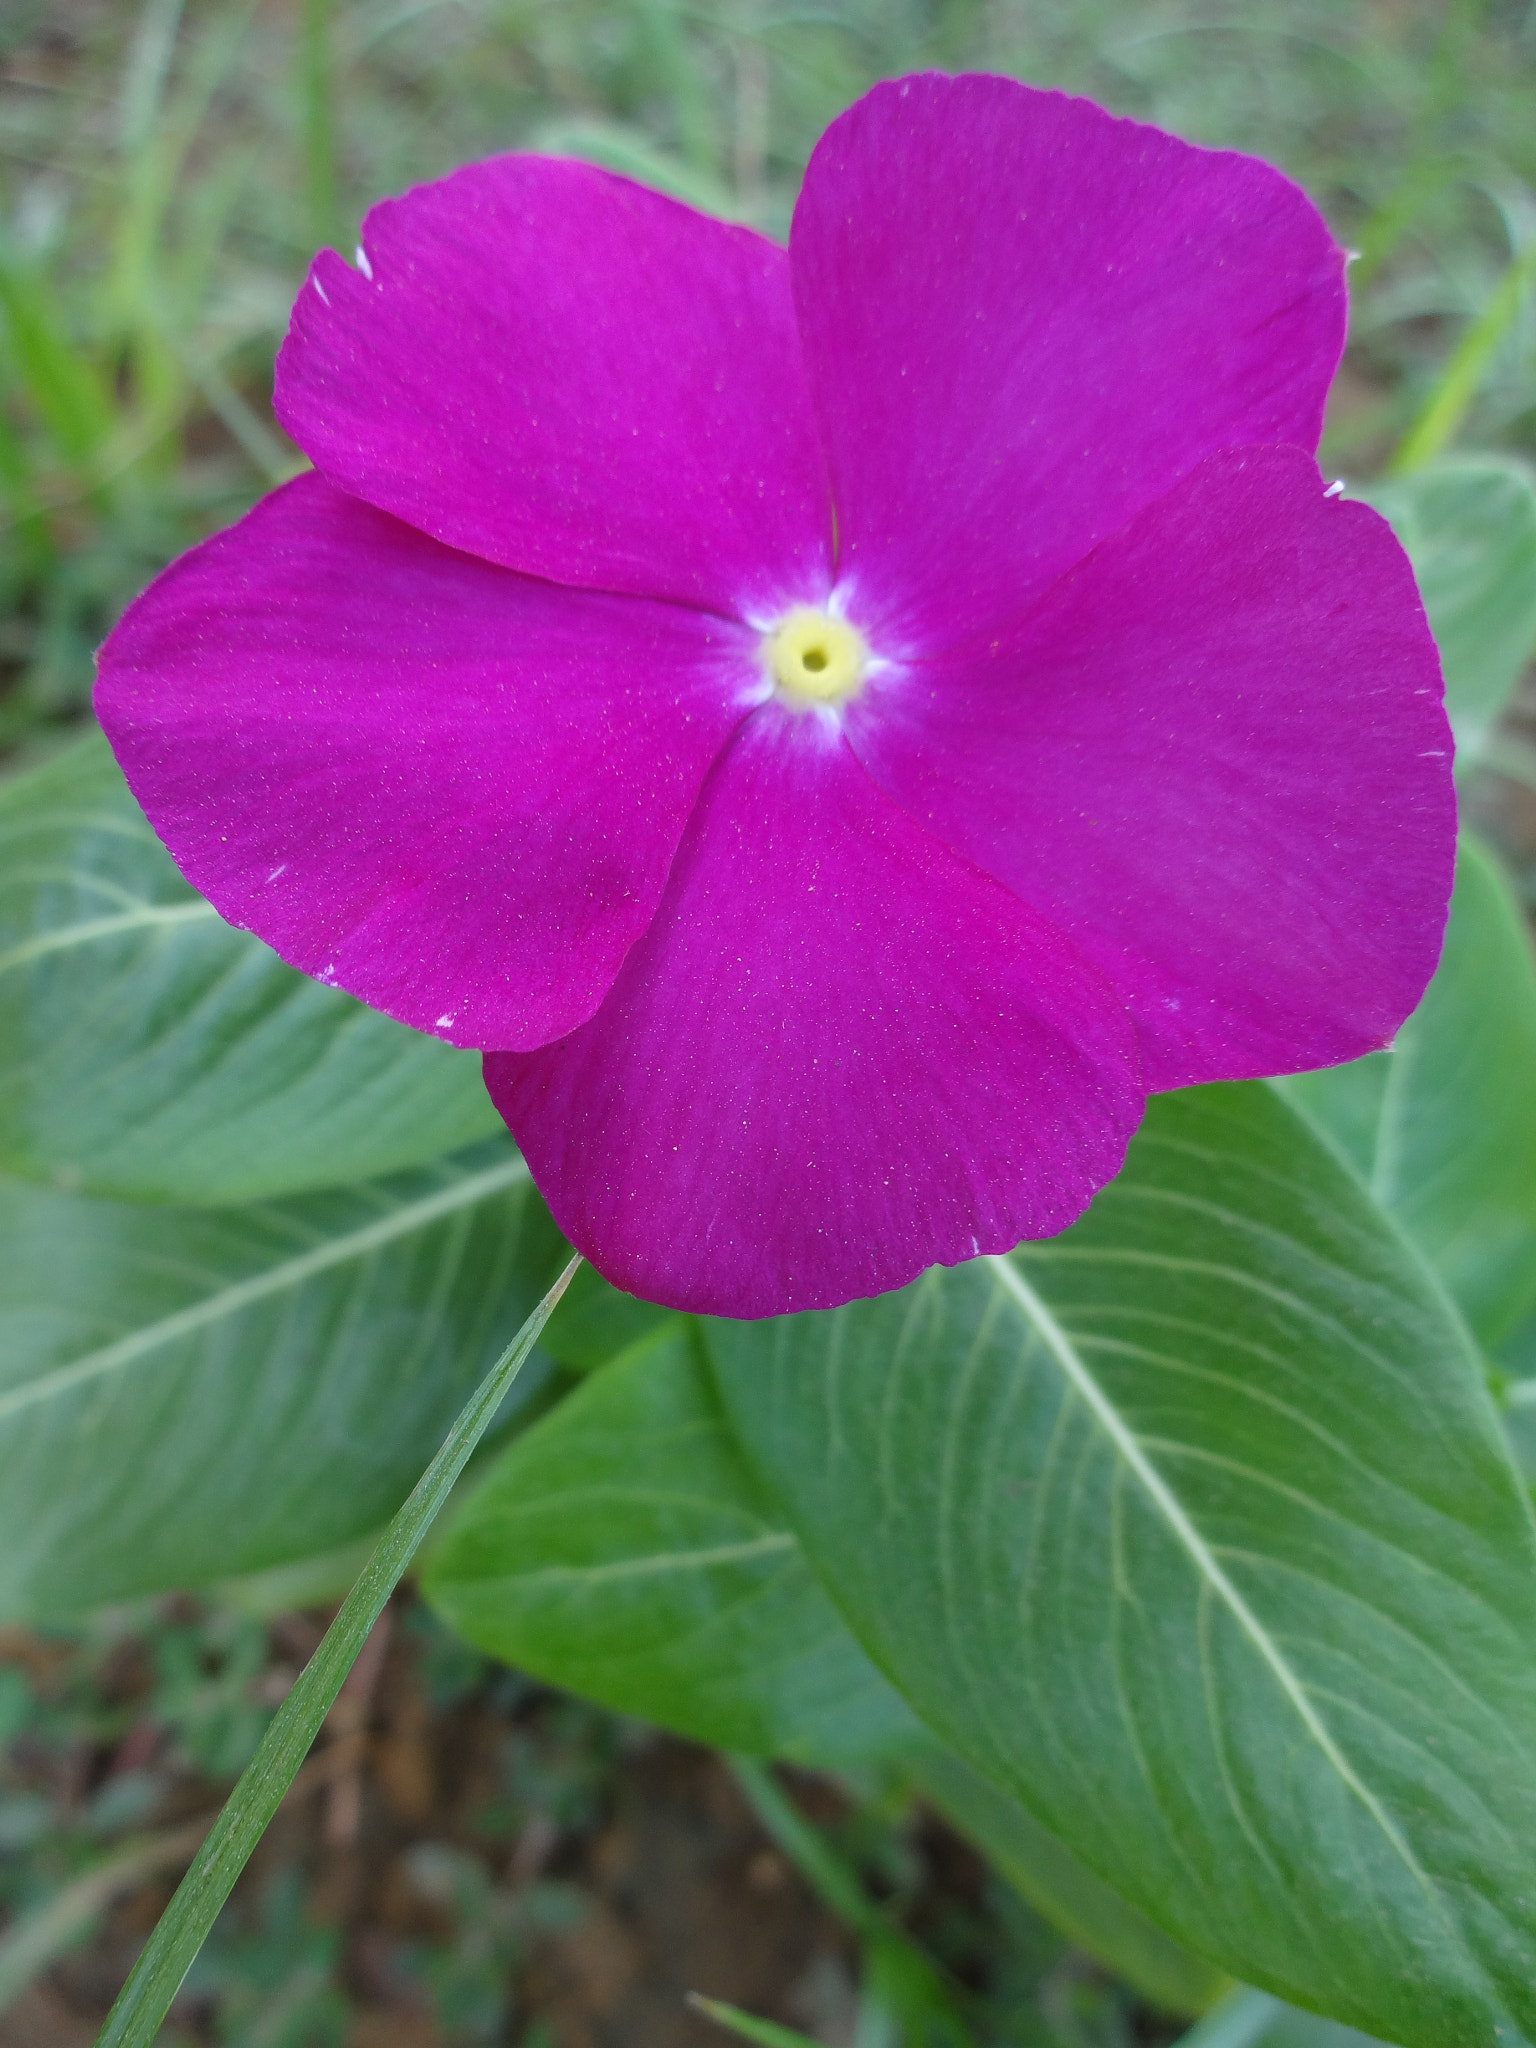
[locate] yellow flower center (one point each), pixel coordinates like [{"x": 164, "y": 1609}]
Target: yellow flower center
[{"x": 814, "y": 658}]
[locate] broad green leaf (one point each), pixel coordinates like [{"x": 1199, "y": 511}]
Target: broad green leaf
[
  {"x": 189, "y": 1394},
  {"x": 1194, "y": 1528},
  {"x": 596, "y": 1323},
  {"x": 148, "y": 1050},
  {"x": 621, "y": 1547},
  {"x": 1469, "y": 526},
  {"x": 1442, "y": 1128},
  {"x": 1060, "y": 1888}
]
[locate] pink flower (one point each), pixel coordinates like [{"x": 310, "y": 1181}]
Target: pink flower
[{"x": 841, "y": 726}]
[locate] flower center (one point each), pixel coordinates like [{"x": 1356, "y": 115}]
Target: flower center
[{"x": 814, "y": 658}]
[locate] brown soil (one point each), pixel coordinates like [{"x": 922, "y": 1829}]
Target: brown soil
[{"x": 610, "y": 1871}]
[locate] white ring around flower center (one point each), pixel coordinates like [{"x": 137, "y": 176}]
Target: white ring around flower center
[{"x": 814, "y": 658}]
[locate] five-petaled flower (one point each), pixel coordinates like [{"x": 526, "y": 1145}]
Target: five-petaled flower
[{"x": 840, "y": 726}]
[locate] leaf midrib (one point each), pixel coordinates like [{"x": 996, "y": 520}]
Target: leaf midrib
[
  {"x": 147, "y": 918},
  {"x": 568, "y": 1577},
  {"x": 286, "y": 1275},
  {"x": 1206, "y": 1564}
]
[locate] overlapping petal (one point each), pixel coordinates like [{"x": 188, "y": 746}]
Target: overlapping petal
[
  {"x": 1216, "y": 755},
  {"x": 839, "y": 1055},
  {"x": 1023, "y": 321},
  {"x": 449, "y": 789},
  {"x": 562, "y": 372},
  {"x": 1148, "y": 782}
]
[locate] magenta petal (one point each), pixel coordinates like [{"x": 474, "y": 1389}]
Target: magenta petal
[
  {"x": 559, "y": 371},
  {"x": 448, "y": 789},
  {"x": 1023, "y": 321},
  {"x": 838, "y": 1055},
  {"x": 1215, "y": 755}
]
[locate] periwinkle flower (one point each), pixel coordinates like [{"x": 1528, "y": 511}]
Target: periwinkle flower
[{"x": 840, "y": 726}]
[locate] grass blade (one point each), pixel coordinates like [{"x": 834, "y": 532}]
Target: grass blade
[
  {"x": 149, "y": 64},
  {"x": 64, "y": 386},
  {"x": 1459, "y": 381},
  {"x": 39, "y": 1938},
  {"x": 145, "y": 1999},
  {"x": 902, "y": 1983},
  {"x": 316, "y": 95},
  {"x": 766, "y": 2033}
]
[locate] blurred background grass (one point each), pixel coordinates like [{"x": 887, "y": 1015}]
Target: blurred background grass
[{"x": 167, "y": 167}]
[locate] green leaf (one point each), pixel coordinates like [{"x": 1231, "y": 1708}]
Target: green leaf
[
  {"x": 1443, "y": 1127},
  {"x": 1252, "y": 2019},
  {"x": 1046, "y": 1873},
  {"x": 145, "y": 1999},
  {"x": 1469, "y": 526},
  {"x": 186, "y": 1395},
  {"x": 1195, "y": 1530},
  {"x": 621, "y": 1547},
  {"x": 596, "y": 1323},
  {"x": 149, "y": 1050}
]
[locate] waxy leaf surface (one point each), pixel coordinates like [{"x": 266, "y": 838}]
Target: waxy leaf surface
[
  {"x": 188, "y": 1394},
  {"x": 596, "y": 1323},
  {"x": 622, "y": 1547},
  {"x": 149, "y": 1050},
  {"x": 1194, "y": 1528},
  {"x": 1442, "y": 1127}
]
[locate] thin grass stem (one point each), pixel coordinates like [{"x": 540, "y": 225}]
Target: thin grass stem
[{"x": 145, "y": 1999}]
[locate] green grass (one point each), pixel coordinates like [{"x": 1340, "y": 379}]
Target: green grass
[{"x": 166, "y": 169}]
